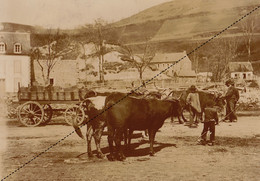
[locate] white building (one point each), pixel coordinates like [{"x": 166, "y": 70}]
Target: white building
[
  {"x": 14, "y": 61},
  {"x": 241, "y": 70},
  {"x": 182, "y": 68}
]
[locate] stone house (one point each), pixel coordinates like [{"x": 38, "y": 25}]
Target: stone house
[
  {"x": 182, "y": 69},
  {"x": 14, "y": 60},
  {"x": 241, "y": 70}
]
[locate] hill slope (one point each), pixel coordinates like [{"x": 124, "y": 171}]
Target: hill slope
[{"x": 184, "y": 19}]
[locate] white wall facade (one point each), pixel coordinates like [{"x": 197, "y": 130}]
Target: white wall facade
[
  {"x": 65, "y": 73},
  {"x": 242, "y": 75},
  {"x": 14, "y": 69}
]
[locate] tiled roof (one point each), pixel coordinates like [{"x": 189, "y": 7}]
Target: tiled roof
[
  {"x": 187, "y": 73},
  {"x": 11, "y": 38},
  {"x": 240, "y": 67},
  {"x": 168, "y": 57}
]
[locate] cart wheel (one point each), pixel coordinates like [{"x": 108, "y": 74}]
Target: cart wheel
[
  {"x": 48, "y": 112},
  {"x": 185, "y": 115},
  {"x": 31, "y": 114},
  {"x": 73, "y": 113}
]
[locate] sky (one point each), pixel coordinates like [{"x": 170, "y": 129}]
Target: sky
[{"x": 70, "y": 13}]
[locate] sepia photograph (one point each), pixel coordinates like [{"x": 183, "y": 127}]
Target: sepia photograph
[{"x": 104, "y": 90}]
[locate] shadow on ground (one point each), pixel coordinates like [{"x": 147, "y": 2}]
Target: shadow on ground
[{"x": 224, "y": 141}]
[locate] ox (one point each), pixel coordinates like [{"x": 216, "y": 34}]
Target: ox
[
  {"x": 207, "y": 99},
  {"x": 95, "y": 127},
  {"x": 135, "y": 114}
]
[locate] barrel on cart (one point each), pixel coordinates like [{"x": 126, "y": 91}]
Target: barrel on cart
[{"x": 36, "y": 104}]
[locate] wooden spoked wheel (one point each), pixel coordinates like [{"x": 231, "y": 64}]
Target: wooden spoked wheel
[
  {"x": 31, "y": 114},
  {"x": 48, "y": 112},
  {"x": 75, "y": 113},
  {"x": 185, "y": 115}
]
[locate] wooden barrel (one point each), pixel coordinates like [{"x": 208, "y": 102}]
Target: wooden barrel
[
  {"x": 61, "y": 96},
  {"x": 54, "y": 96},
  {"x": 40, "y": 96},
  {"x": 68, "y": 96},
  {"x": 33, "y": 95}
]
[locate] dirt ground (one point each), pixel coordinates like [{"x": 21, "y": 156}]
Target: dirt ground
[{"x": 236, "y": 155}]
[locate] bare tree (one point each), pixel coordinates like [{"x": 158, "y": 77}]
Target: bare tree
[
  {"x": 225, "y": 51},
  {"x": 139, "y": 61},
  {"x": 100, "y": 34},
  {"x": 195, "y": 56},
  {"x": 248, "y": 27},
  {"x": 48, "y": 55}
]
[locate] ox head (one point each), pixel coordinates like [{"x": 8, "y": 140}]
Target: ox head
[
  {"x": 176, "y": 107},
  {"x": 88, "y": 105},
  {"x": 220, "y": 101},
  {"x": 90, "y": 93}
]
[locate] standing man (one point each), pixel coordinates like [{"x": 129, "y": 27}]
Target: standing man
[
  {"x": 232, "y": 96},
  {"x": 211, "y": 118},
  {"x": 194, "y": 105}
]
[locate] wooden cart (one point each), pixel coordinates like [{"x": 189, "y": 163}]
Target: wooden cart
[{"x": 36, "y": 105}]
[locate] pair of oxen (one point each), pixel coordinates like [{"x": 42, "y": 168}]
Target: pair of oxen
[{"x": 124, "y": 113}]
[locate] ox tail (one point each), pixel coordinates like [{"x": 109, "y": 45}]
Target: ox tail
[{"x": 77, "y": 128}]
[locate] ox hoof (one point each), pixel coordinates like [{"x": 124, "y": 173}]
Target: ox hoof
[
  {"x": 90, "y": 155},
  {"x": 101, "y": 155},
  {"x": 121, "y": 157},
  {"x": 151, "y": 154},
  {"x": 111, "y": 157}
]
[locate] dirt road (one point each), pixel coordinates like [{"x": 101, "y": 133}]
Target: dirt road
[{"x": 236, "y": 155}]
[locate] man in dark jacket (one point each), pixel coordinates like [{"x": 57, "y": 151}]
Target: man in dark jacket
[
  {"x": 211, "y": 118},
  {"x": 232, "y": 96}
]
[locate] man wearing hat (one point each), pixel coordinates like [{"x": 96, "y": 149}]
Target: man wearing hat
[
  {"x": 232, "y": 96},
  {"x": 194, "y": 105}
]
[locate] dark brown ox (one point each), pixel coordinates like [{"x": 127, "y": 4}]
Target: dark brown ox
[
  {"x": 207, "y": 99},
  {"x": 135, "y": 114},
  {"x": 95, "y": 126}
]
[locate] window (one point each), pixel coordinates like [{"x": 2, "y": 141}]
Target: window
[
  {"x": 51, "y": 81},
  {"x": 244, "y": 76},
  {"x": 17, "y": 66},
  {"x": 17, "y": 48},
  {"x": 2, "y": 47}
]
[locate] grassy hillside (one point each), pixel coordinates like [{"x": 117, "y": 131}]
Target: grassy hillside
[
  {"x": 178, "y": 9},
  {"x": 184, "y": 19},
  {"x": 181, "y": 25}
]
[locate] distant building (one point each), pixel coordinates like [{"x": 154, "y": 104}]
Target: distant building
[
  {"x": 182, "y": 69},
  {"x": 241, "y": 70},
  {"x": 65, "y": 73},
  {"x": 14, "y": 60},
  {"x": 204, "y": 76}
]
